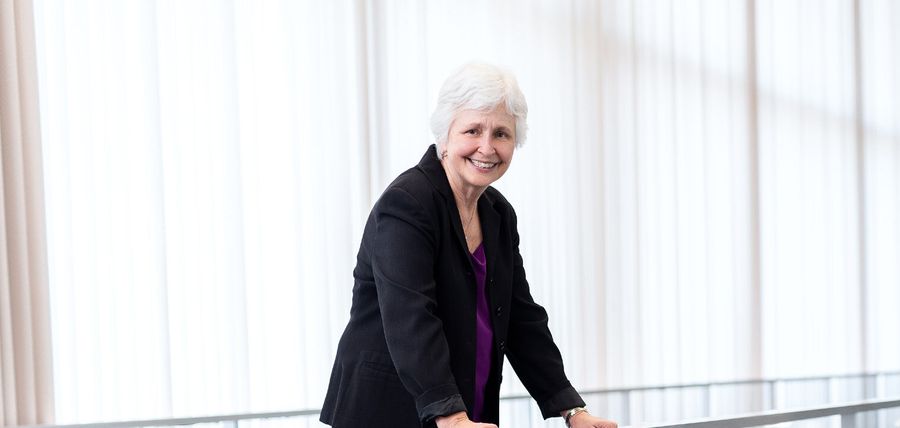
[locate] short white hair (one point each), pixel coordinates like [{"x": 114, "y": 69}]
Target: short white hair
[{"x": 478, "y": 86}]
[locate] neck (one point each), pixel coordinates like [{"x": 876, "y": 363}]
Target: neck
[
  {"x": 466, "y": 202},
  {"x": 466, "y": 196}
]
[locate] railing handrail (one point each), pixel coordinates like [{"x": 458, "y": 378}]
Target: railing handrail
[
  {"x": 310, "y": 412},
  {"x": 779, "y": 416},
  {"x": 185, "y": 421},
  {"x": 717, "y": 383}
]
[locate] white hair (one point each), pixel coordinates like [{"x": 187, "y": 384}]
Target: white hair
[{"x": 478, "y": 86}]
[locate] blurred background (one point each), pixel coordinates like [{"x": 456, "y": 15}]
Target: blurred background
[{"x": 195, "y": 176}]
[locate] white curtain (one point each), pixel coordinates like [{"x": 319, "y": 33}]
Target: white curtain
[
  {"x": 26, "y": 376},
  {"x": 210, "y": 164},
  {"x": 880, "y": 111},
  {"x": 207, "y": 181}
]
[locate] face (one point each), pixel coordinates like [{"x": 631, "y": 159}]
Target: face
[{"x": 479, "y": 148}]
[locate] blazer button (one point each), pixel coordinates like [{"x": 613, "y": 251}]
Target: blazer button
[
  {"x": 499, "y": 311},
  {"x": 502, "y": 346}
]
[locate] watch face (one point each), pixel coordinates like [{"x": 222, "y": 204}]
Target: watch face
[{"x": 573, "y": 412}]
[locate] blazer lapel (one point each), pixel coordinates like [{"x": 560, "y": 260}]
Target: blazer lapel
[
  {"x": 431, "y": 167},
  {"x": 490, "y": 232}
]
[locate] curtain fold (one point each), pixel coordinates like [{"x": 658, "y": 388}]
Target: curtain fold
[{"x": 26, "y": 384}]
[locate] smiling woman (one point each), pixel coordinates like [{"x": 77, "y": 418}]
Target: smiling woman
[
  {"x": 476, "y": 152},
  {"x": 440, "y": 298}
]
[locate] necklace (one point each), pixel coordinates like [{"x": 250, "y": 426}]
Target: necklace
[{"x": 466, "y": 226}]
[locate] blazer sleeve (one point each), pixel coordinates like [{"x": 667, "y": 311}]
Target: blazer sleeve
[
  {"x": 530, "y": 348},
  {"x": 403, "y": 257}
]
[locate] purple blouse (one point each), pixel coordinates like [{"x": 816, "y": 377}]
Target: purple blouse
[{"x": 484, "y": 333}]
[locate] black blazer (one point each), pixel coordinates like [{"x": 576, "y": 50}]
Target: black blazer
[{"x": 408, "y": 352}]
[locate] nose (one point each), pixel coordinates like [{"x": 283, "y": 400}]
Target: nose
[{"x": 486, "y": 144}]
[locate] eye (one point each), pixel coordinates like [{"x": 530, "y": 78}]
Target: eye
[
  {"x": 501, "y": 134},
  {"x": 472, "y": 131}
]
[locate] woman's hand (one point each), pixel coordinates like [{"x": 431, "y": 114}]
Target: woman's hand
[
  {"x": 586, "y": 420},
  {"x": 459, "y": 420}
]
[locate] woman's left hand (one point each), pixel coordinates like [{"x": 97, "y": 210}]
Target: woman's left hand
[{"x": 586, "y": 420}]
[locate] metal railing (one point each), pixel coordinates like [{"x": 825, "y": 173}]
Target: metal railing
[
  {"x": 773, "y": 405},
  {"x": 650, "y": 404},
  {"x": 849, "y": 413},
  {"x": 224, "y": 421}
]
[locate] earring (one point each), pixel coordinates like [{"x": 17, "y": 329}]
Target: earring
[{"x": 444, "y": 155}]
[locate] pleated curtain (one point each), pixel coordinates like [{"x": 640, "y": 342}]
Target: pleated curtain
[
  {"x": 26, "y": 378},
  {"x": 709, "y": 191}
]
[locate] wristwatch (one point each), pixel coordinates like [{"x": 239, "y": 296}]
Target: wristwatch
[{"x": 573, "y": 412}]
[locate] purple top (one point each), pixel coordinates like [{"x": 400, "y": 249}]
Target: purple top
[{"x": 484, "y": 333}]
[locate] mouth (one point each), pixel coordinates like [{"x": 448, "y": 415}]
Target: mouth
[{"x": 482, "y": 164}]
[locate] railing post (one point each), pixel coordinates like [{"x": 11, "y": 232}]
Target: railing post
[
  {"x": 626, "y": 404},
  {"x": 230, "y": 424},
  {"x": 707, "y": 402},
  {"x": 870, "y": 387},
  {"x": 531, "y": 413},
  {"x": 848, "y": 420},
  {"x": 772, "y": 402}
]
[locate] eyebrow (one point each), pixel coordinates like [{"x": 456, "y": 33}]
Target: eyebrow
[{"x": 481, "y": 125}]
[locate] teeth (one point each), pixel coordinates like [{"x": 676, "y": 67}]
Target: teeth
[{"x": 482, "y": 164}]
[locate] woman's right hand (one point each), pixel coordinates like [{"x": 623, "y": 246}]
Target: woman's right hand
[{"x": 459, "y": 420}]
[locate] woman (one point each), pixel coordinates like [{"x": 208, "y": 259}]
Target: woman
[{"x": 440, "y": 295}]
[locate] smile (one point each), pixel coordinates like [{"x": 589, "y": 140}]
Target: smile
[{"x": 483, "y": 165}]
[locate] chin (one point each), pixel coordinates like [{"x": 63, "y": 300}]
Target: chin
[{"x": 483, "y": 181}]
